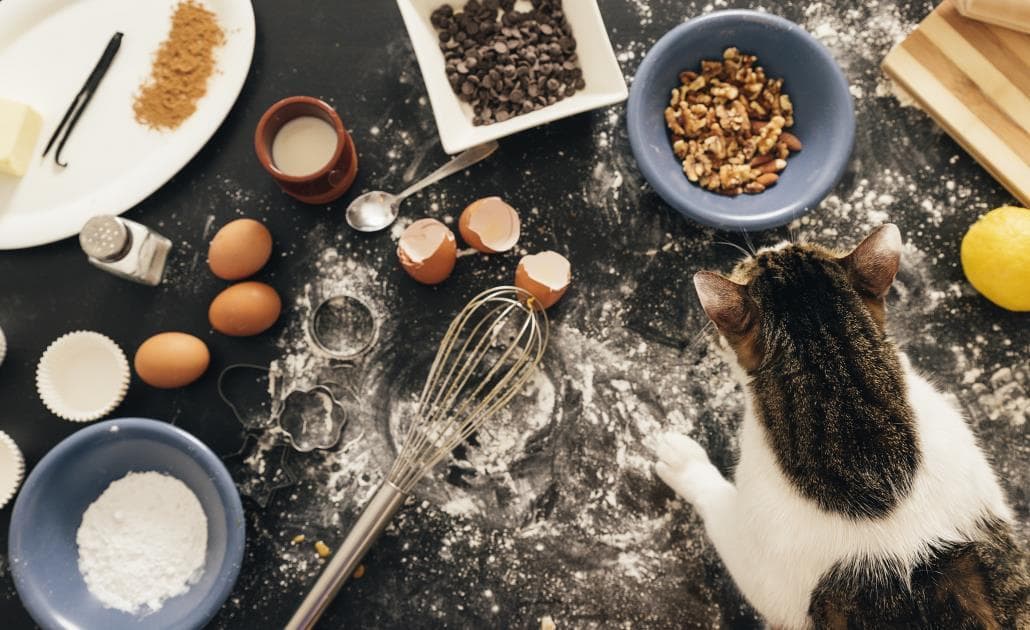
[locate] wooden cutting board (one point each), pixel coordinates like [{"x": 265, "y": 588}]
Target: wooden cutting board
[{"x": 974, "y": 79}]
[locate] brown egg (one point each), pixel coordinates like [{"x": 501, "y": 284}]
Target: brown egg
[
  {"x": 545, "y": 275},
  {"x": 427, "y": 251},
  {"x": 240, "y": 249},
  {"x": 489, "y": 225},
  {"x": 171, "y": 359},
  {"x": 245, "y": 309}
]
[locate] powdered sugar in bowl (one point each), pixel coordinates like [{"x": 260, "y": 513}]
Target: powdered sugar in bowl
[{"x": 49, "y": 513}]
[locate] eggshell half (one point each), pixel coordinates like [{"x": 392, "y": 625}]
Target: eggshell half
[
  {"x": 171, "y": 359},
  {"x": 245, "y": 309},
  {"x": 545, "y": 275},
  {"x": 240, "y": 249},
  {"x": 490, "y": 225},
  {"x": 427, "y": 251}
]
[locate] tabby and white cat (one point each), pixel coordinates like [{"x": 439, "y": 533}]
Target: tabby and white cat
[{"x": 861, "y": 498}]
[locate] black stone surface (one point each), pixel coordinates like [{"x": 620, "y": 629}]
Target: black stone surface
[{"x": 627, "y": 249}]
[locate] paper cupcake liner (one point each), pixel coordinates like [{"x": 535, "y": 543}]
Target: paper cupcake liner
[
  {"x": 66, "y": 354},
  {"x": 12, "y": 468}
]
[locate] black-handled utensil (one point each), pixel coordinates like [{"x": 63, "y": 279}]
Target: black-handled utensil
[{"x": 71, "y": 117}]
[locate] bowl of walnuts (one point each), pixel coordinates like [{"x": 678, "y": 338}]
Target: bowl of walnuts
[{"x": 740, "y": 120}]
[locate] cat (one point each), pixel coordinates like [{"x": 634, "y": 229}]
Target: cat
[{"x": 861, "y": 498}]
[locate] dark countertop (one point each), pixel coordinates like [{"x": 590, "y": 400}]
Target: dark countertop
[{"x": 589, "y": 537}]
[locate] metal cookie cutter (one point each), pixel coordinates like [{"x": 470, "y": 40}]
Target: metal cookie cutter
[
  {"x": 343, "y": 326},
  {"x": 307, "y": 426}
]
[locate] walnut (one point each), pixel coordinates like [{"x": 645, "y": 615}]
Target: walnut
[
  {"x": 769, "y": 134},
  {"x": 725, "y": 91},
  {"x": 728, "y": 125}
]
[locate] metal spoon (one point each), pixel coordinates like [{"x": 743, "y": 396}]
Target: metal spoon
[{"x": 375, "y": 210}]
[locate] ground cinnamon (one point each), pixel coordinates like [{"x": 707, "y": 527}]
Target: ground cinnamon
[{"x": 182, "y": 66}]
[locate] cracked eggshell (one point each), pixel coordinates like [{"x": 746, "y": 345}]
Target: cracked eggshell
[
  {"x": 545, "y": 275},
  {"x": 427, "y": 250},
  {"x": 490, "y": 225},
  {"x": 240, "y": 249},
  {"x": 245, "y": 309}
]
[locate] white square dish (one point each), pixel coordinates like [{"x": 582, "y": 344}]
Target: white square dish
[{"x": 604, "y": 82}]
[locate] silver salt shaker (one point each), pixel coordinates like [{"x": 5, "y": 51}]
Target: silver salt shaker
[{"x": 125, "y": 248}]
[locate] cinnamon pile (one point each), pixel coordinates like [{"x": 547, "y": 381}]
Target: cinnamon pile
[{"x": 178, "y": 78}]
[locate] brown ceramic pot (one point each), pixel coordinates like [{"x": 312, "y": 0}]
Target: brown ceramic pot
[{"x": 324, "y": 185}]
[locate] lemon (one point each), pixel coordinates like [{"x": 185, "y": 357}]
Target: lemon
[{"x": 996, "y": 257}]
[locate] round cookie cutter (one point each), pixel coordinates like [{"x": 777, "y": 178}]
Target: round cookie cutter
[{"x": 343, "y": 326}]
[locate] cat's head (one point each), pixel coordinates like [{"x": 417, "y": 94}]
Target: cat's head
[{"x": 786, "y": 294}]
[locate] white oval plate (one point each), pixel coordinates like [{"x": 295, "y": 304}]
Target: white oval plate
[{"x": 47, "y": 49}]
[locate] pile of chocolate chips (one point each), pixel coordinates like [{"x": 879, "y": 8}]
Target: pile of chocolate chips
[{"x": 506, "y": 62}]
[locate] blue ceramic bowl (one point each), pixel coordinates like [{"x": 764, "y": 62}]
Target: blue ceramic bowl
[
  {"x": 824, "y": 119},
  {"x": 48, "y": 512}
]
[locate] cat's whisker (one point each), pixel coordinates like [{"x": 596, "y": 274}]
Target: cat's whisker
[
  {"x": 750, "y": 244},
  {"x": 701, "y": 335},
  {"x": 792, "y": 234},
  {"x": 746, "y": 253}
]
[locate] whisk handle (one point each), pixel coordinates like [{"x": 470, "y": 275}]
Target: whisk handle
[{"x": 366, "y": 530}]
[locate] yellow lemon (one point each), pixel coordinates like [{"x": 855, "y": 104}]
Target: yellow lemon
[{"x": 996, "y": 257}]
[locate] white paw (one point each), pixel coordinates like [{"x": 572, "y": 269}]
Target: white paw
[
  {"x": 683, "y": 464},
  {"x": 679, "y": 451}
]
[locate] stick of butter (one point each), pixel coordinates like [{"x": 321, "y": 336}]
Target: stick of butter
[{"x": 19, "y": 130}]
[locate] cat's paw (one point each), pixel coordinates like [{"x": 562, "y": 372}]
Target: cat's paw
[
  {"x": 684, "y": 466},
  {"x": 678, "y": 451}
]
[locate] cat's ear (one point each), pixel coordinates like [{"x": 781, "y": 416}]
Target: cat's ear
[
  {"x": 874, "y": 263},
  {"x": 725, "y": 302}
]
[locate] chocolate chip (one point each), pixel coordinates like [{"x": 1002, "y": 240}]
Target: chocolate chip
[{"x": 506, "y": 62}]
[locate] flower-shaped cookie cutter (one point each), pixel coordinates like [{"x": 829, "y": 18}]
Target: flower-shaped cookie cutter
[
  {"x": 304, "y": 434},
  {"x": 302, "y": 431}
]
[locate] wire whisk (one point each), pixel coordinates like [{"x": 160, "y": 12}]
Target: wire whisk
[{"x": 487, "y": 354}]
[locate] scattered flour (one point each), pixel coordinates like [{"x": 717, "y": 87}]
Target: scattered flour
[{"x": 558, "y": 497}]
